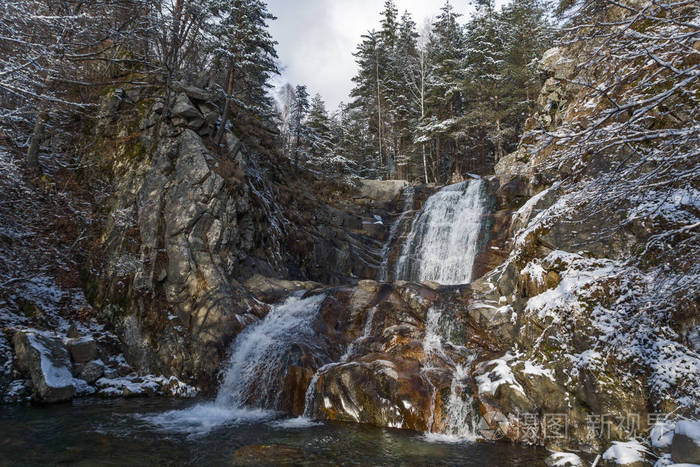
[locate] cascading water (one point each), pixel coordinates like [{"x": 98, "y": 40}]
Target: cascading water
[
  {"x": 406, "y": 207},
  {"x": 251, "y": 382},
  {"x": 442, "y": 244},
  {"x": 441, "y": 247},
  {"x": 458, "y": 424},
  {"x": 258, "y": 355}
]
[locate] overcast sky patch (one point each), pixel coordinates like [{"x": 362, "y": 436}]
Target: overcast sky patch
[{"x": 318, "y": 37}]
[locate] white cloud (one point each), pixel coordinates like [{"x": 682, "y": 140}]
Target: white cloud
[{"x": 318, "y": 37}]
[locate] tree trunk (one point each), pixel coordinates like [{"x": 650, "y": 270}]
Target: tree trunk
[
  {"x": 32, "y": 158},
  {"x": 227, "y": 105},
  {"x": 436, "y": 161},
  {"x": 499, "y": 146},
  {"x": 458, "y": 170},
  {"x": 379, "y": 108},
  {"x": 425, "y": 164}
]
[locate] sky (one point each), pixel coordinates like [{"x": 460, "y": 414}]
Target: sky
[{"x": 316, "y": 39}]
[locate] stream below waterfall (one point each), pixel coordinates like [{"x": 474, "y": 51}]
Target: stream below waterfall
[{"x": 117, "y": 432}]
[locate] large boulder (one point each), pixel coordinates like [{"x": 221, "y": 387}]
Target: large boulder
[
  {"x": 685, "y": 447},
  {"x": 381, "y": 191},
  {"x": 181, "y": 224},
  {"x": 46, "y": 360},
  {"x": 554, "y": 61},
  {"x": 377, "y": 392},
  {"x": 184, "y": 108}
]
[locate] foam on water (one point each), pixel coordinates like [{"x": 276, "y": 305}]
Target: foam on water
[
  {"x": 298, "y": 422},
  {"x": 446, "y": 438},
  {"x": 202, "y": 418}
]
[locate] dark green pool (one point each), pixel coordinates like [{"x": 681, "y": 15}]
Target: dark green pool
[{"x": 123, "y": 432}]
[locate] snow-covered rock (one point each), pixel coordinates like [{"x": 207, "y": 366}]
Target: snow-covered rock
[
  {"x": 625, "y": 453},
  {"x": 563, "y": 459},
  {"x": 148, "y": 385},
  {"x": 46, "y": 360},
  {"x": 661, "y": 435},
  {"x": 685, "y": 447}
]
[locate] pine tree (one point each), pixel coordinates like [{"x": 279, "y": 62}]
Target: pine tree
[
  {"x": 389, "y": 83},
  {"x": 299, "y": 129},
  {"x": 528, "y": 34},
  {"x": 355, "y": 140},
  {"x": 444, "y": 100},
  {"x": 406, "y": 106},
  {"x": 319, "y": 128},
  {"x": 367, "y": 93},
  {"x": 389, "y": 25},
  {"x": 243, "y": 47},
  {"x": 484, "y": 65}
]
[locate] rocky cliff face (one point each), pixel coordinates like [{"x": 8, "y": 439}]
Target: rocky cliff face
[
  {"x": 587, "y": 294},
  {"x": 578, "y": 310},
  {"x": 189, "y": 224}
]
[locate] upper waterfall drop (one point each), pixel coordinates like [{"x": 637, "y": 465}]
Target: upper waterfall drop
[{"x": 442, "y": 244}]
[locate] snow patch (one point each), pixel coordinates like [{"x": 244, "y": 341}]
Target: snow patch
[
  {"x": 532, "y": 368},
  {"x": 499, "y": 374},
  {"x": 561, "y": 459},
  {"x": 625, "y": 452},
  {"x": 689, "y": 429}
]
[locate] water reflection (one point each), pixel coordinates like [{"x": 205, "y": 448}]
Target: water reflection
[{"x": 121, "y": 432}]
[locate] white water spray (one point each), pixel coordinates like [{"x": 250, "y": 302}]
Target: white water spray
[
  {"x": 258, "y": 353},
  {"x": 443, "y": 242},
  {"x": 406, "y": 207},
  {"x": 459, "y": 420},
  {"x": 252, "y": 378}
]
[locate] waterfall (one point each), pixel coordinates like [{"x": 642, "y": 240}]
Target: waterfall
[
  {"x": 252, "y": 378},
  {"x": 459, "y": 421},
  {"x": 442, "y": 244},
  {"x": 406, "y": 207},
  {"x": 259, "y": 353}
]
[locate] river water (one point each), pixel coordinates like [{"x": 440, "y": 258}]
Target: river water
[{"x": 120, "y": 432}]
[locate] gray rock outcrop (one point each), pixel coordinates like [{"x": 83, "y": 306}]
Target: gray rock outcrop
[{"x": 46, "y": 361}]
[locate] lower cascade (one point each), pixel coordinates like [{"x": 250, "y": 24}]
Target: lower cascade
[
  {"x": 442, "y": 244},
  {"x": 253, "y": 376},
  {"x": 259, "y": 354}
]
